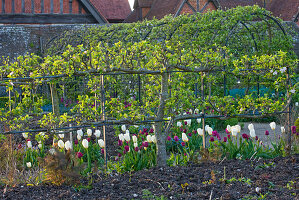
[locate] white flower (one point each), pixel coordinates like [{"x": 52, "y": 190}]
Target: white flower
[
  {"x": 168, "y": 118},
  {"x": 275, "y": 73},
  {"x": 198, "y": 120},
  {"x": 296, "y": 104},
  {"x": 272, "y": 125},
  {"x": 25, "y": 135},
  {"x": 68, "y": 145},
  {"x": 250, "y": 126},
  {"x": 39, "y": 146},
  {"x": 136, "y": 126},
  {"x": 101, "y": 143},
  {"x": 127, "y": 132},
  {"x": 127, "y": 136},
  {"x": 61, "y": 136},
  {"x": 80, "y": 132},
  {"x": 282, "y": 70},
  {"x": 190, "y": 111},
  {"x": 154, "y": 139},
  {"x": 235, "y": 131},
  {"x": 29, "y": 144},
  {"x": 200, "y": 131},
  {"x": 135, "y": 144},
  {"x": 184, "y": 113},
  {"x": 85, "y": 143},
  {"x": 206, "y": 128},
  {"x": 252, "y": 133},
  {"x": 89, "y": 132},
  {"x": 134, "y": 138},
  {"x": 121, "y": 137},
  {"x": 210, "y": 130},
  {"x": 293, "y": 91},
  {"x": 188, "y": 122},
  {"x": 42, "y": 133},
  {"x": 283, "y": 130},
  {"x": 60, "y": 144},
  {"x": 79, "y": 137},
  {"x": 149, "y": 138},
  {"x": 123, "y": 128},
  {"x": 28, "y": 164},
  {"x": 184, "y": 137},
  {"x": 52, "y": 151},
  {"x": 238, "y": 127},
  {"x": 97, "y": 133},
  {"x": 229, "y": 128},
  {"x": 196, "y": 110},
  {"x": 179, "y": 124},
  {"x": 258, "y": 190}
]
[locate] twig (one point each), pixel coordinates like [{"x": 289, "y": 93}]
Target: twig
[
  {"x": 211, "y": 195},
  {"x": 222, "y": 160}
]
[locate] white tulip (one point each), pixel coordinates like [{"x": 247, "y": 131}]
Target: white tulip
[
  {"x": 121, "y": 137},
  {"x": 188, "y": 122},
  {"x": 85, "y": 143},
  {"x": 79, "y": 137},
  {"x": 198, "y": 120},
  {"x": 127, "y": 132},
  {"x": 97, "y": 133},
  {"x": 252, "y": 133},
  {"x": 206, "y": 128},
  {"x": 250, "y": 126},
  {"x": 80, "y": 132},
  {"x": 149, "y": 138},
  {"x": 123, "y": 128},
  {"x": 89, "y": 132},
  {"x": 179, "y": 124},
  {"x": 154, "y": 139},
  {"x": 28, "y": 164},
  {"x": 283, "y": 130},
  {"x": 25, "y": 135},
  {"x": 61, "y": 136},
  {"x": 229, "y": 128},
  {"x": 60, "y": 144},
  {"x": 136, "y": 126},
  {"x": 238, "y": 127},
  {"x": 210, "y": 130},
  {"x": 29, "y": 144},
  {"x": 190, "y": 111},
  {"x": 235, "y": 131},
  {"x": 101, "y": 143},
  {"x": 68, "y": 145},
  {"x": 127, "y": 137},
  {"x": 196, "y": 111},
  {"x": 184, "y": 137},
  {"x": 40, "y": 146},
  {"x": 134, "y": 138},
  {"x": 296, "y": 104},
  {"x": 135, "y": 144},
  {"x": 200, "y": 131},
  {"x": 272, "y": 125}
]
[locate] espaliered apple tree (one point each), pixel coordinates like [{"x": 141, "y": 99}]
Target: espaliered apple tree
[{"x": 171, "y": 58}]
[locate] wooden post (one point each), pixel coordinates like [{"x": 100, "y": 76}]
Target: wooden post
[
  {"x": 203, "y": 112},
  {"x": 289, "y": 131},
  {"x": 103, "y": 117}
]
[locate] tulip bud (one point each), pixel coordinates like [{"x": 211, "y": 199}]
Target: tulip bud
[
  {"x": 198, "y": 120},
  {"x": 228, "y": 128},
  {"x": 79, "y": 137},
  {"x": 238, "y": 127},
  {"x": 235, "y": 131},
  {"x": 101, "y": 143},
  {"x": 184, "y": 137},
  {"x": 135, "y": 144},
  {"x": 61, "y": 144},
  {"x": 179, "y": 124},
  {"x": 134, "y": 138},
  {"x": 200, "y": 131},
  {"x": 28, "y": 164},
  {"x": 85, "y": 143},
  {"x": 121, "y": 137},
  {"x": 196, "y": 111},
  {"x": 79, "y": 154},
  {"x": 266, "y": 132},
  {"x": 154, "y": 139},
  {"x": 149, "y": 138},
  {"x": 40, "y": 146},
  {"x": 80, "y": 132},
  {"x": 89, "y": 132},
  {"x": 29, "y": 144},
  {"x": 272, "y": 125},
  {"x": 252, "y": 133},
  {"x": 127, "y": 148},
  {"x": 97, "y": 133},
  {"x": 282, "y": 129},
  {"x": 61, "y": 136},
  {"x": 25, "y": 135},
  {"x": 127, "y": 136},
  {"x": 250, "y": 126},
  {"x": 206, "y": 128},
  {"x": 123, "y": 128},
  {"x": 68, "y": 145},
  {"x": 210, "y": 130}
]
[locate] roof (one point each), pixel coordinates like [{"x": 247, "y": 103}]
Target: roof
[
  {"x": 112, "y": 9},
  {"x": 227, "y": 4},
  {"x": 285, "y": 9},
  {"x": 143, "y": 3}
]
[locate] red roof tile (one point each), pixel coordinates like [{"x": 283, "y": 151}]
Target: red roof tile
[
  {"x": 112, "y": 9},
  {"x": 227, "y": 4},
  {"x": 285, "y": 9},
  {"x": 160, "y": 8},
  {"x": 143, "y": 3}
]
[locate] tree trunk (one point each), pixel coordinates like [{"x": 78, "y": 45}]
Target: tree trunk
[
  {"x": 161, "y": 137},
  {"x": 55, "y": 100}
]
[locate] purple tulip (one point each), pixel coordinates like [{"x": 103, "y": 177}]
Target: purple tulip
[
  {"x": 183, "y": 144},
  {"x": 256, "y": 137},
  {"x": 145, "y": 144},
  {"x": 228, "y": 136},
  {"x": 88, "y": 139},
  {"x": 227, "y": 132},
  {"x": 79, "y": 154},
  {"x": 245, "y": 136},
  {"x": 127, "y": 148},
  {"x": 102, "y": 151},
  {"x": 266, "y": 132},
  {"x": 168, "y": 138},
  {"x": 76, "y": 142},
  {"x": 185, "y": 130},
  {"x": 190, "y": 134},
  {"x": 293, "y": 128},
  {"x": 119, "y": 155},
  {"x": 151, "y": 130},
  {"x": 176, "y": 138},
  {"x": 185, "y": 123},
  {"x": 225, "y": 139},
  {"x": 212, "y": 139}
]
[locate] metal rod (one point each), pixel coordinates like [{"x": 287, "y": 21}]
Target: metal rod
[
  {"x": 203, "y": 111},
  {"x": 139, "y": 89},
  {"x": 103, "y": 117}
]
